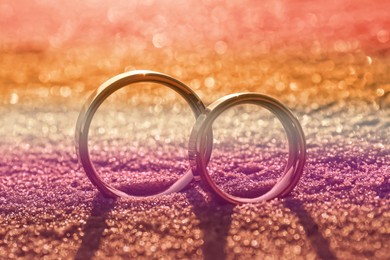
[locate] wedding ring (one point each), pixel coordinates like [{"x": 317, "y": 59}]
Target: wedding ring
[
  {"x": 102, "y": 93},
  {"x": 201, "y": 139},
  {"x": 296, "y": 142}
]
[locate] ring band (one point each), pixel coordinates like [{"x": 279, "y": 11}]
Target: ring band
[
  {"x": 102, "y": 93},
  {"x": 295, "y": 137}
]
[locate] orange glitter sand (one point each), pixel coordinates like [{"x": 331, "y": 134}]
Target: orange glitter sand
[{"x": 329, "y": 62}]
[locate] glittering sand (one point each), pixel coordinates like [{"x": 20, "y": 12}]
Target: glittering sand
[
  {"x": 340, "y": 208},
  {"x": 328, "y": 62}
]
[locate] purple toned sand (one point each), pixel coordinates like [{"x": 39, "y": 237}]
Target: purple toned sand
[{"x": 50, "y": 210}]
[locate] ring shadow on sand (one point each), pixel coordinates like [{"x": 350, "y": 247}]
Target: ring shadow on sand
[
  {"x": 214, "y": 235},
  {"x": 318, "y": 242},
  {"x": 95, "y": 226}
]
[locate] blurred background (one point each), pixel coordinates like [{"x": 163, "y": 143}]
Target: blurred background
[
  {"x": 328, "y": 61},
  {"x": 297, "y": 50}
]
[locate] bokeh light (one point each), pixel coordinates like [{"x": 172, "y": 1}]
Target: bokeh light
[{"x": 328, "y": 61}]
